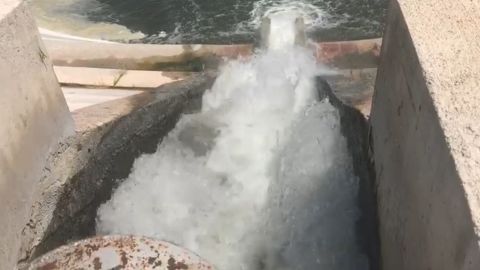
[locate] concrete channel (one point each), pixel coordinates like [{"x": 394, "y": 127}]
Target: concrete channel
[{"x": 412, "y": 129}]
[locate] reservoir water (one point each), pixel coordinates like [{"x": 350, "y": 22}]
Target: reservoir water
[{"x": 205, "y": 21}]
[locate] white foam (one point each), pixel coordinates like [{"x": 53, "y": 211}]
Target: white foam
[
  {"x": 259, "y": 179},
  {"x": 62, "y": 17},
  {"x": 283, "y": 32},
  {"x": 312, "y": 14}
]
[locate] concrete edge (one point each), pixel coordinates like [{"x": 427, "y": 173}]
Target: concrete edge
[
  {"x": 354, "y": 128},
  {"x": 195, "y": 57},
  {"x": 116, "y": 78},
  {"x": 82, "y": 97}
]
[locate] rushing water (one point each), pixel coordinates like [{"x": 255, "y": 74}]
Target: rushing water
[
  {"x": 260, "y": 178},
  {"x": 205, "y": 21}
]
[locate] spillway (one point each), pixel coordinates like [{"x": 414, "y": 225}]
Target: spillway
[{"x": 260, "y": 178}]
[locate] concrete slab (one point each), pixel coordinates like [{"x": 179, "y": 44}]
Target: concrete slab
[
  {"x": 116, "y": 78},
  {"x": 78, "y": 98}
]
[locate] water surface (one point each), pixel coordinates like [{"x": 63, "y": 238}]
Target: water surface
[{"x": 206, "y": 21}]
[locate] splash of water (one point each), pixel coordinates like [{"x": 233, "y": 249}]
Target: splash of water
[
  {"x": 259, "y": 179},
  {"x": 311, "y": 13}
]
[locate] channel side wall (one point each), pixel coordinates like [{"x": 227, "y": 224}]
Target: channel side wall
[{"x": 426, "y": 136}]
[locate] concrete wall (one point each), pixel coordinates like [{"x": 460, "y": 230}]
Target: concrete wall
[
  {"x": 33, "y": 118},
  {"x": 426, "y": 136}
]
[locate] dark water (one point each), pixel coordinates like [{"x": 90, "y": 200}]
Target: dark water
[{"x": 235, "y": 21}]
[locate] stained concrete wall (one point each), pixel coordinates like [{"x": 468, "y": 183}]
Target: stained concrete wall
[
  {"x": 33, "y": 118},
  {"x": 426, "y": 136}
]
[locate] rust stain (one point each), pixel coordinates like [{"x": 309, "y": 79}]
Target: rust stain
[
  {"x": 154, "y": 262},
  {"x": 78, "y": 254},
  {"x": 97, "y": 265},
  {"x": 123, "y": 258},
  {"x": 89, "y": 249},
  {"x": 89, "y": 252},
  {"x": 49, "y": 266},
  {"x": 173, "y": 265}
]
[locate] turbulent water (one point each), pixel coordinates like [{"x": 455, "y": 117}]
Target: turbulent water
[
  {"x": 260, "y": 178},
  {"x": 205, "y": 21}
]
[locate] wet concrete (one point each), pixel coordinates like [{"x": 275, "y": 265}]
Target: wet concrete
[{"x": 354, "y": 128}]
